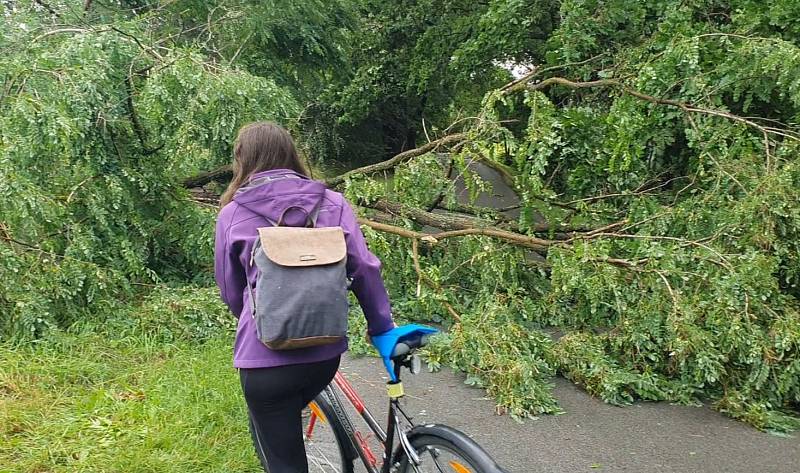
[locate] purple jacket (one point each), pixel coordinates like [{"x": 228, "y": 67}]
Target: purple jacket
[{"x": 236, "y": 234}]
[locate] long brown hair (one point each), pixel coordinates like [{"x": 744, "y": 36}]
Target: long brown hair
[{"x": 261, "y": 146}]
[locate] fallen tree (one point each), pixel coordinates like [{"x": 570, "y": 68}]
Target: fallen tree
[
  {"x": 674, "y": 280},
  {"x": 650, "y": 251}
]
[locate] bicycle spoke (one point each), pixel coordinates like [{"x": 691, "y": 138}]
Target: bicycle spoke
[
  {"x": 313, "y": 459},
  {"x": 320, "y": 466},
  {"x": 325, "y": 459},
  {"x": 320, "y": 459}
]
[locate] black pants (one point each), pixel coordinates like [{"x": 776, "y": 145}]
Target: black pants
[{"x": 276, "y": 398}]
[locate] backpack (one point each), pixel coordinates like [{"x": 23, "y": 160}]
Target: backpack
[{"x": 300, "y": 294}]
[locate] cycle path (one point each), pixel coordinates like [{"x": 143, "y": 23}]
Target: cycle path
[{"x": 591, "y": 436}]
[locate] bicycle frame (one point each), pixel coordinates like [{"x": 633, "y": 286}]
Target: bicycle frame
[{"x": 359, "y": 442}]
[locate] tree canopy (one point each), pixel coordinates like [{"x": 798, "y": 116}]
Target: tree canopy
[{"x": 653, "y": 251}]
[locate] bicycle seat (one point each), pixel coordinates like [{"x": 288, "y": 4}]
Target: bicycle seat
[{"x": 400, "y": 341}]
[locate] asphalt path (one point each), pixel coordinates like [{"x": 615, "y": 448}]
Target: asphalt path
[{"x": 591, "y": 436}]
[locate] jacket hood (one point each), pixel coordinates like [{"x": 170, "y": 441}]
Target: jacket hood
[{"x": 282, "y": 193}]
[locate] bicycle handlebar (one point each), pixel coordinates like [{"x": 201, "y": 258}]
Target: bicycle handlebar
[
  {"x": 404, "y": 347},
  {"x": 398, "y": 342}
]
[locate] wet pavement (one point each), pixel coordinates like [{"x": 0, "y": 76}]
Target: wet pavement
[{"x": 591, "y": 436}]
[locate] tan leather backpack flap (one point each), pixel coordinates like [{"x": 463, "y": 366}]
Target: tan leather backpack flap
[{"x": 301, "y": 246}]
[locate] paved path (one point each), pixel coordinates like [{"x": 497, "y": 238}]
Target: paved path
[{"x": 592, "y": 436}]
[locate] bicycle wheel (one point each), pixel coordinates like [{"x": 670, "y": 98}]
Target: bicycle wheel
[
  {"x": 324, "y": 440},
  {"x": 443, "y": 449}
]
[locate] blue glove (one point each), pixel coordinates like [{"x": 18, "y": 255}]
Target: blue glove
[{"x": 386, "y": 342}]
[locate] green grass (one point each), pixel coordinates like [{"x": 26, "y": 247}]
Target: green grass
[{"x": 81, "y": 403}]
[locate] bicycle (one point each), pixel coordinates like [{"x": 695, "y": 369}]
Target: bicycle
[{"x": 333, "y": 444}]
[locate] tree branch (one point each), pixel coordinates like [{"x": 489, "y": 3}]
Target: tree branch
[
  {"x": 454, "y": 226},
  {"x": 431, "y": 283},
  {"x": 221, "y": 174},
  {"x": 150, "y": 51},
  {"x": 537, "y": 72},
  {"x": 723, "y": 261},
  {"x": 60, "y": 30},
  {"x": 686, "y": 107},
  {"x": 397, "y": 159},
  {"x": 137, "y": 125},
  {"x": 434, "y": 238},
  {"x": 224, "y": 173}
]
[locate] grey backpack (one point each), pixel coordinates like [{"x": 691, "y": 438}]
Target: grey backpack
[{"x": 300, "y": 294}]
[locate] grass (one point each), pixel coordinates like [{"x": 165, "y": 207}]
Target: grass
[{"x": 82, "y": 403}]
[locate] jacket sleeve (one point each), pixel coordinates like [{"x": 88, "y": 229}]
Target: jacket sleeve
[
  {"x": 228, "y": 270},
  {"x": 364, "y": 269}
]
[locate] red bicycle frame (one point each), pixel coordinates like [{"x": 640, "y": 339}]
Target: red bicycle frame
[{"x": 375, "y": 463}]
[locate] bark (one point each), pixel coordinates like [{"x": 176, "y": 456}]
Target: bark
[
  {"x": 224, "y": 173},
  {"x": 455, "y": 225},
  {"x": 536, "y": 244},
  {"x": 383, "y": 215},
  {"x": 221, "y": 174},
  {"x": 397, "y": 159},
  {"x": 506, "y": 222}
]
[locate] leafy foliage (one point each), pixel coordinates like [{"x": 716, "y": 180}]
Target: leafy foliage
[
  {"x": 690, "y": 293},
  {"x": 512, "y": 362},
  {"x": 653, "y": 149},
  {"x": 96, "y": 131},
  {"x": 420, "y": 61},
  {"x": 170, "y": 315}
]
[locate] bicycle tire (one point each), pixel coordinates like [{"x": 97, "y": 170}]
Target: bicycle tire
[
  {"x": 342, "y": 441},
  {"x": 346, "y": 454},
  {"x": 436, "y": 443}
]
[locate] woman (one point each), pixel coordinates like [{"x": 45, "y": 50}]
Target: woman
[{"x": 268, "y": 179}]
